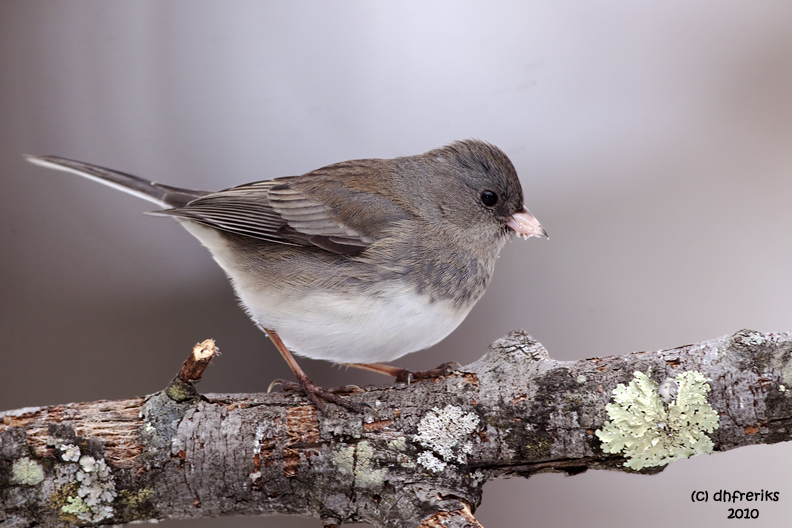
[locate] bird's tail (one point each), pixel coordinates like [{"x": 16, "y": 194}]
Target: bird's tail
[{"x": 163, "y": 195}]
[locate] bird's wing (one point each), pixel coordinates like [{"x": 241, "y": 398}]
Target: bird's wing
[{"x": 275, "y": 211}]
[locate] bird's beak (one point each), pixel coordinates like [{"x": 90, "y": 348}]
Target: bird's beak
[{"x": 525, "y": 225}]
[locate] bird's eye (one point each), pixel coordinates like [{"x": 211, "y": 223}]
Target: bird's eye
[{"x": 489, "y": 198}]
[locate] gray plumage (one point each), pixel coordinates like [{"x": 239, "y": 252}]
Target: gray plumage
[{"x": 359, "y": 261}]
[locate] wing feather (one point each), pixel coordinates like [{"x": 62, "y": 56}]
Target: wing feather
[{"x": 276, "y": 212}]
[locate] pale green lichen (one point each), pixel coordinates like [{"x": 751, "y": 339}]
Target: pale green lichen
[
  {"x": 77, "y": 507},
  {"x": 344, "y": 458},
  {"x": 650, "y": 434},
  {"x": 95, "y": 493},
  {"x": 358, "y": 460},
  {"x": 27, "y": 472},
  {"x": 398, "y": 444},
  {"x": 581, "y": 378},
  {"x": 365, "y": 474},
  {"x": 447, "y": 433}
]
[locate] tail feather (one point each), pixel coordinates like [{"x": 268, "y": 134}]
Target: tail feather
[{"x": 163, "y": 195}]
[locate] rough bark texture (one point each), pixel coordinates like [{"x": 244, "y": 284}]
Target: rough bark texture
[{"x": 418, "y": 457}]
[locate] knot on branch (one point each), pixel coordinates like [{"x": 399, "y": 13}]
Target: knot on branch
[
  {"x": 516, "y": 347},
  {"x": 748, "y": 340}
]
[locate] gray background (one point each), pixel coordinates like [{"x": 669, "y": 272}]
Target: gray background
[{"x": 653, "y": 141}]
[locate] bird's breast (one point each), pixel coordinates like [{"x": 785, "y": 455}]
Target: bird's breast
[{"x": 356, "y": 327}]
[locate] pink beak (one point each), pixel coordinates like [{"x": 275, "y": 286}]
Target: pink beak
[{"x": 525, "y": 225}]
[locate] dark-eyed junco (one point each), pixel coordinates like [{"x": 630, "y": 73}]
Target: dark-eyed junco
[{"x": 358, "y": 262}]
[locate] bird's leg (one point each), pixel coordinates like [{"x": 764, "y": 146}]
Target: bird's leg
[
  {"x": 407, "y": 376},
  {"x": 316, "y": 394}
]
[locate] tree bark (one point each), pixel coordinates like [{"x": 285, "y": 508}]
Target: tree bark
[{"x": 417, "y": 457}]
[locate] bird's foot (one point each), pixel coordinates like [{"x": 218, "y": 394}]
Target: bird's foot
[
  {"x": 409, "y": 376},
  {"x": 320, "y": 396}
]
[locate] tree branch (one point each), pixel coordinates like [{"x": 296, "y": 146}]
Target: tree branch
[{"x": 418, "y": 457}]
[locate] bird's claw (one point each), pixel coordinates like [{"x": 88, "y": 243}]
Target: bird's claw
[
  {"x": 275, "y": 383},
  {"x": 446, "y": 369},
  {"x": 320, "y": 396}
]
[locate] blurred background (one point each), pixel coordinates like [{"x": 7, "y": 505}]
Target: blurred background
[{"x": 653, "y": 140}]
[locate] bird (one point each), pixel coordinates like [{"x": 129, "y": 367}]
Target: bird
[{"x": 358, "y": 262}]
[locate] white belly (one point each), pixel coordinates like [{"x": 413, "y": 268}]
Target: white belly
[
  {"x": 355, "y": 329},
  {"x": 345, "y": 328}
]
